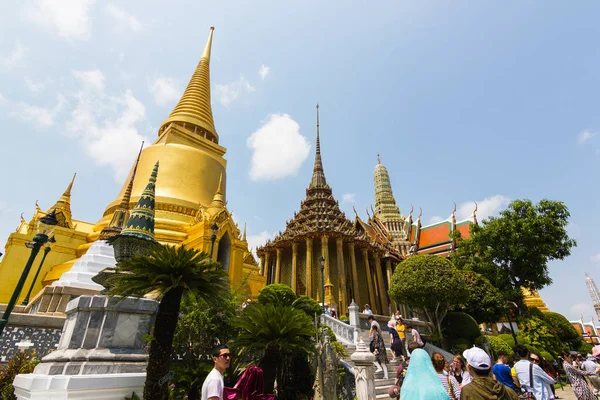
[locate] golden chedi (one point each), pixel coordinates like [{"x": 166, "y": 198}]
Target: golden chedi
[{"x": 190, "y": 189}]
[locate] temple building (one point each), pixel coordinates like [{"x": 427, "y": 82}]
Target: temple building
[
  {"x": 354, "y": 266},
  {"x": 190, "y": 199}
]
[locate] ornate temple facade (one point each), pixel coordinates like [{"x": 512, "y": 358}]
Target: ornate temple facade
[
  {"x": 354, "y": 266},
  {"x": 190, "y": 198}
]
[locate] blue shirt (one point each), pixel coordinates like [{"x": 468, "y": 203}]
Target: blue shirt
[{"x": 502, "y": 374}]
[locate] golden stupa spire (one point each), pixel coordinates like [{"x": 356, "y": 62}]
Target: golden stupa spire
[
  {"x": 244, "y": 237},
  {"x": 63, "y": 206},
  {"x": 121, "y": 214},
  {"x": 218, "y": 199},
  {"x": 194, "y": 111}
]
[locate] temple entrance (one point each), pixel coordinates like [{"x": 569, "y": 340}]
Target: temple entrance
[{"x": 224, "y": 253}]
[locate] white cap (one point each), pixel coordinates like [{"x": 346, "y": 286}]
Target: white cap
[{"x": 477, "y": 358}]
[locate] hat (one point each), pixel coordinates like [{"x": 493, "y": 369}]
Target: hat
[
  {"x": 366, "y": 305},
  {"x": 477, "y": 358}
]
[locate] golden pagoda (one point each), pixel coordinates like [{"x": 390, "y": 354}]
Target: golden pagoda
[
  {"x": 355, "y": 267},
  {"x": 190, "y": 196}
]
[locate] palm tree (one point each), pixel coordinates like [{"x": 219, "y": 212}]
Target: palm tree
[
  {"x": 170, "y": 272},
  {"x": 274, "y": 331}
]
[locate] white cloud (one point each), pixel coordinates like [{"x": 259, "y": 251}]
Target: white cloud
[
  {"x": 92, "y": 80},
  {"x": 14, "y": 58},
  {"x": 435, "y": 219},
  {"x": 40, "y": 116},
  {"x": 123, "y": 18},
  {"x": 2, "y": 100},
  {"x": 263, "y": 71},
  {"x": 67, "y": 18},
  {"x": 36, "y": 87},
  {"x": 595, "y": 258},
  {"x": 230, "y": 92},
  {"x": 106, "y": 125},
  {"x": 165, "y": 91},
  {"x": 585, "y": 135},
  {"x": 349, "y": 198},
  {"x": 486, "y": 208},
  {"x": 255, "y": 241},
  {"x": 278, "y": 148}
]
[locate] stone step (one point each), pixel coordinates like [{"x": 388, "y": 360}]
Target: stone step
[
  {"x": 382, "y": 389},
  {"x": 382, "y": 396}
]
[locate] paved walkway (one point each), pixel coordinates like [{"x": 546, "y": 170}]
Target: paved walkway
[{"x": 566, "y": 394}]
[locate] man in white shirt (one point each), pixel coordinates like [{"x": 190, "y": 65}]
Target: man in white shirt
[
  {"x": 416, "y": 336},
  {"x": 590, "y": 365},
  {"x": 538, "y": 381},
  {"x": 212, "y": 388}
]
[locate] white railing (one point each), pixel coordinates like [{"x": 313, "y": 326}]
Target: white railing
[{"x": 343, "y": 331}]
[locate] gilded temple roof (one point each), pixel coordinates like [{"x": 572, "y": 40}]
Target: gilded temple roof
[{"x": 319, "y": 213}]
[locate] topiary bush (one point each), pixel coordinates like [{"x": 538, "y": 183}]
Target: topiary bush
[
  {"x": 459, "y": 325},
  {"x": 561, "y": 326},
  {"x": 509, "y": 339},
  {"x": 499, "y": 345},
  {"x": 276, "y": 293}
]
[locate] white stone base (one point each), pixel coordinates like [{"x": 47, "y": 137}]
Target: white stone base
[
  {"x": 99, "y": 256},
  {"x": 78, "y": 387}
]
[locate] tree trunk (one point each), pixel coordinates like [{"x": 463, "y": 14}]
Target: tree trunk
[
  {"x": 269, "y": 364},
  {"x": 161, "y": 348}
]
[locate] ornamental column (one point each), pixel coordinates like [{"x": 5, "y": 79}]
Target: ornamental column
[
  {"x": 267, "y": 269},
  {"x": 262, "y": 264},
  {"x": 382, "y": 292},
  {"x": 309, "y": 257},
  {"x": 355, "y": 287},
  {"x": 294, "y": 264},
  {"x": 342, "y": 276},
  {"x": 388, "y": 270},
  {"x": 278, "y": 266},
  {"x": 370, "y": 287},
  {"x": 328, "y": 285}
]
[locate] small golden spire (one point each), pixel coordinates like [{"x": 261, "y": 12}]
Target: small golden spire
[
  {"x": 244, "y": 237},
  {"x": 67, "y": 193},
  {"x": 194, "y": 109},
  {"x": 218, "y": 199}
]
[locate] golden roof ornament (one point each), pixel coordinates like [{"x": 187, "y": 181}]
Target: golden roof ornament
[{"x": 194, "y": 108}]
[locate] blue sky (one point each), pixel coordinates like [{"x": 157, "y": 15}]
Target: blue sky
[{"x": 465, "y": 101}]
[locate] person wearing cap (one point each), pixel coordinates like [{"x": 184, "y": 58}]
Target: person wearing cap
[
  {"x": 367, "y": 310},
  {"x": 483, "y": 386},
  {"x": 531, "y": 376}
]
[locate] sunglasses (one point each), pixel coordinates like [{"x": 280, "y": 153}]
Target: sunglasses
[
  {"x": 534, "y": 360},
  {"x": 225, "y": 355}
]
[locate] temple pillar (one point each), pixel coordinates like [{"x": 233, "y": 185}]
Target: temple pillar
[
  {"x": 267, "y": 270},
  {"x": 278, "y": 266},
  {"x": 309, "y": 257},
  {"x": 262, "y": 264},
  {"x": 342, "y": 276},
  {"x": 370, "y": 287},
  {"x": 355, "y": 287},
  {"x": 388, "y": 270},
  {"x": 294, "y": 264},
  {"x": 327, "y": 272},
  {"x": 385, "y": 308}
]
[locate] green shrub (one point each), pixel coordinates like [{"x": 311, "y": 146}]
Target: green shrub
[
  {"x": 457, "y": 346},
  {"x": 498, "y": 345},
  {"x": 343, "y": 318},
  {"x": 561, "y": 326},
  {"x": 340, "y": 350},
  {"x": 584, "y": 347},
  {"x": 276, "y": 293},
  {"x": 22, "y": 362},
  {"x": 509, "y": 339},
  {"x": 547, "y": 356},
  {"x": 459, "y": 325}
]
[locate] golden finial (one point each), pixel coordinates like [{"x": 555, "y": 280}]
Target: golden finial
[
  {"x": 244, "y": 237},
  {"x": 420, "y": 213},
  {"x": 194, "y": 107},
  {"x": 411, "y": 210},
  {"x": 67, "y": 192},
  {"x": 218, "y": 198},
  {"x": 37, "y": 206},
  {"x": 454, "y": 211},
  {"x": 354, "y": 208},
  {"x": 24, "y": 221},
  {"x": 368, "y": 213}
]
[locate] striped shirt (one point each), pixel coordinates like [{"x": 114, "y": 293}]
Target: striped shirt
[{"x": 444, "y": 378}]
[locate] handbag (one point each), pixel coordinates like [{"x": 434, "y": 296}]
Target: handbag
[
  {"x": 528, "y": 394},
  {"x": 372, "y": 346}
]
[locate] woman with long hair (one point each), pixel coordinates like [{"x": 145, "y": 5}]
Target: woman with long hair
[
  {"x": 421, "y": 381},
  {"x": 459, "y": 370},
  {"x": 449, "y": 382},
  {"x": 577, "y": 378},
  {"x": 379, "y": 350}
]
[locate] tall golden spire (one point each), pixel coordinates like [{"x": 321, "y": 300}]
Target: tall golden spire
[
  {"x": 121, "y": 214},
  {"x": 63, "y": 206},
  {"x": 194, "y": 110},
  {"x": 318, "y": 177}
]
